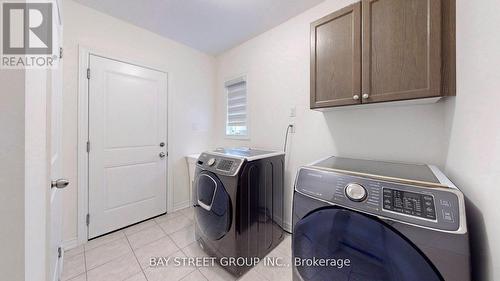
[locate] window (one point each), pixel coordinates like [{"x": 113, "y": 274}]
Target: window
[{"x": 237, "y": 114}]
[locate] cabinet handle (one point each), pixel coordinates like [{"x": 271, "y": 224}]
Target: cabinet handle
[
  {"x": 355, "y": 97},
  {"x": 365, "y": 96}
]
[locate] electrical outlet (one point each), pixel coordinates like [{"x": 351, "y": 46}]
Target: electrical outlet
[
  {"x": 293, "y": 111},
  {"x": 293, "y": 128}
]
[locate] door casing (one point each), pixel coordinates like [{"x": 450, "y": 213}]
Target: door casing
[{"x": 83, "y": 129}]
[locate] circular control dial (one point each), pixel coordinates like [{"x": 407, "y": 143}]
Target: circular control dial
[
  {"x": 355, "y": 192},
  {"x": 211, "y": 162}
]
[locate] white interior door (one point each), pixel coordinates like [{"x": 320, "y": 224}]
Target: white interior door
[
  {"x": 55, "y": 107},
  {"x": 128, "y": 144}
]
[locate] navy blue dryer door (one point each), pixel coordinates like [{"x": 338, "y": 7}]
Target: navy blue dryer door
[
  {"x": 213, "y": 208},
  {"x": 375, "y": 250}
]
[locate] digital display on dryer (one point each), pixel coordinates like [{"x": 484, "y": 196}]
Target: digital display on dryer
[
  {"x": 409, "y": 203},
  {"x": 225, "y": 165}
]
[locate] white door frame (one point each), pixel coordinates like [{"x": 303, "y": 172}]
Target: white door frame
[{"x": 83, "y": 129}]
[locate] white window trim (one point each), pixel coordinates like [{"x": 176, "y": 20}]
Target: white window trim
[{"x": 227, "y": 82}]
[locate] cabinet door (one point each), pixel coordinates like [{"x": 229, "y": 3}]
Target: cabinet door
[
  {"x": 336, "y": 58},
  {"x": 401, "y": 49}
]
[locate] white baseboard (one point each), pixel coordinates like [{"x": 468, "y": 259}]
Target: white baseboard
[
  {"x": 181, "y": 205},
  {"x": 70, "y": 244}
]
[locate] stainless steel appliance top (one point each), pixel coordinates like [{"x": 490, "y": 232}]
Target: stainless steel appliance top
[
  {"x": 249, "y": 154},
  {"x": 380, "y": 169}
]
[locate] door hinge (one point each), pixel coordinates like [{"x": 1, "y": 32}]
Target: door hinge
[
  {"x": 88, "y": 147},
  {"x": 60, "y": 52},
  {"x": 88, "y": 73},
  {"x": 59, "y": 252},
  {"x": 88, "y": 219}
]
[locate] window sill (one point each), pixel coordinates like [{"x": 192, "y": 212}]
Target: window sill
[{"x": 237, "y": 137}]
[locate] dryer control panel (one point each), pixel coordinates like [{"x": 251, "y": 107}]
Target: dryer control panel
[
  {"x": 219, "y": 164},
  {"x": 436, "y": 208}
]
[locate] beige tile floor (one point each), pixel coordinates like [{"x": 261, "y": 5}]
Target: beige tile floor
[{"x": 124, "y": 255}]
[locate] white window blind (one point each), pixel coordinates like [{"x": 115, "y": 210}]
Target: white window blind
[{"x": 237, "y": 114}]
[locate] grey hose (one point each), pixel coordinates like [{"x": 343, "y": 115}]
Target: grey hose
[{"x": 286, "y": 136}]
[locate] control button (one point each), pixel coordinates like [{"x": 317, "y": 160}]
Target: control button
[
  {"x": 211, "y": 162},
  {"x": 399, "y": 210},
  {"x": 448, "y": 216},
  {"x": 355, "y": 192},
  {"x": 445, "y": 203}
]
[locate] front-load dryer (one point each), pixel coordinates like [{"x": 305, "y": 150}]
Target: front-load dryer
[
  {"x": 378, "y": 221},
  {"x": 238, "y": 202}
]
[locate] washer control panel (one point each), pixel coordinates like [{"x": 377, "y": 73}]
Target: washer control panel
[
  {"x": 438, "y": 208},
  {"x": 225, "y": 165},
  {"x": 409, "y": 203},
  {"x": 219, "y": 164}
]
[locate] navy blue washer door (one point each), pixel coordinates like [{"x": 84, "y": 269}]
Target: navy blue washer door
[
  {"x": 376, "y": 251},
  {"x": 213, "y": 208}
]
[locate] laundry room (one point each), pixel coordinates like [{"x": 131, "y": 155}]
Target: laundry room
[{"x": 304, "y": 140}]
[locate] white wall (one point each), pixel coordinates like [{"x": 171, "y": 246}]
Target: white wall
[
  {"x": 277, "y": 67},
  {"x": 191, "y": 77},
  {"x": 12, "y": 175},
  {"x": 474, "y": 119}
]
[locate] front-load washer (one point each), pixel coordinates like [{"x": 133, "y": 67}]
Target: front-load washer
[
  {"x": 238, "y": 204},
  {"x": 377, "y": 221}
]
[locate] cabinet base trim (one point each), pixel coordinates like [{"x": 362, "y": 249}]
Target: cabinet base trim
[{"x": 383, "y": 104}]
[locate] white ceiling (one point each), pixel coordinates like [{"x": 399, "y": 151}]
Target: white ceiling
[{"x": 211, "y": 26}]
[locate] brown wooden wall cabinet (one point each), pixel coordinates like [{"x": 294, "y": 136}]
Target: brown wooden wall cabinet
[{"x": 383, "y": 50}]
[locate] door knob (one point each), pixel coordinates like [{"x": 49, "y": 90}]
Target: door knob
[
  {"x": 355, "y": 97},
  {"x": 365, "y": 96},
  {"x": 60, "y": 183},
  {"x": 162, "y": 154}
]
